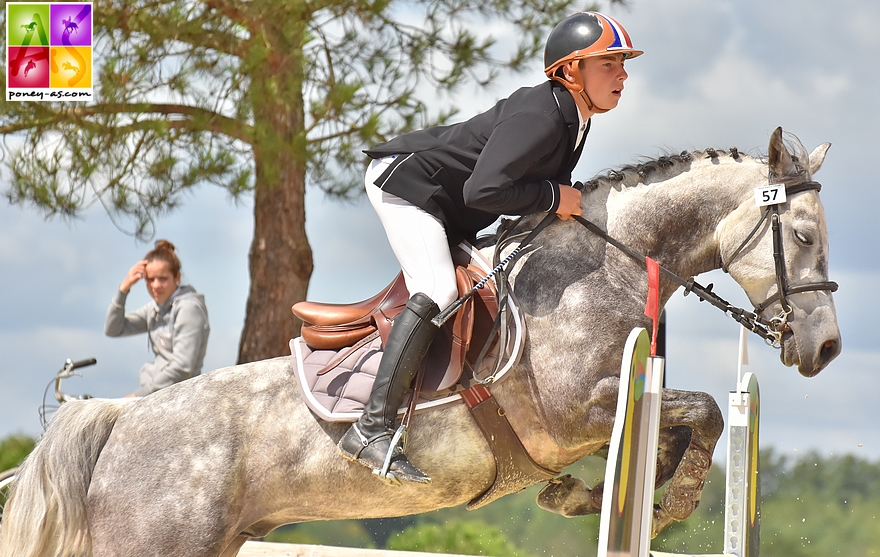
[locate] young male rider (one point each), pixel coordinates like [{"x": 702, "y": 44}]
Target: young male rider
[{"x": 435, "y": 187}]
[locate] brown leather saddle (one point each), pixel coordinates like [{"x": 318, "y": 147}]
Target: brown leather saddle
[{"x": 455, "y": 351}]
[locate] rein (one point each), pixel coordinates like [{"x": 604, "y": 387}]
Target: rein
[
  {"x": 751, "y": 321},
  {"x": 771, "y": 330}
]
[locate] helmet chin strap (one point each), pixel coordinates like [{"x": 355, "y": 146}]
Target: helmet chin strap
[{"x": 576, "y": 89}]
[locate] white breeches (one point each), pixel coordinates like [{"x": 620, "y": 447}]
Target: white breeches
[{"x": 418, "y": 240}]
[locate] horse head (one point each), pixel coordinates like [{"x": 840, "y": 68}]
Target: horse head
[{"x": 778, "y": 253}]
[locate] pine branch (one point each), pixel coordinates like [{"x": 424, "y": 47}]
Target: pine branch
[{"x": 197, "y": 119}]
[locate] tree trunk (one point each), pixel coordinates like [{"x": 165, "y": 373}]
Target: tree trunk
[
  {"x": 280, "y": 257},
  {"x": 280, "y": 262}
]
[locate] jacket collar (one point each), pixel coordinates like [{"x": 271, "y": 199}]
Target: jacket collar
[
  {"x": 570, "y": 114},
  {"x": 182, "y": 289}
]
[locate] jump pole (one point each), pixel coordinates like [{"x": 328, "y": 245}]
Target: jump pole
[
  {"x": 628, "y": 497},
  {"x": 627, "y": 504}
]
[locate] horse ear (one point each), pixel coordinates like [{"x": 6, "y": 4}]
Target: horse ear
[
  {"x": 780, "y": 159},
  {"x": 817, "y": 157}
]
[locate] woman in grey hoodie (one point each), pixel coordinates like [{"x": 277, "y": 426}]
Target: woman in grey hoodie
[{"x": 176, "y": 320}]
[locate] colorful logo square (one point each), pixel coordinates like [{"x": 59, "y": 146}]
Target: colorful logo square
[
  {"x": 28, "y": 67},
  {"x": 50, "y": 51},
  {"x": 27, "y": 24},
  {"x": 69, "y": 67},
  {"x": 71, "y": 24}
]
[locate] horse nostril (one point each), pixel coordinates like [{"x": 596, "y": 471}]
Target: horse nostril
[{"x": 830, "y": 349}]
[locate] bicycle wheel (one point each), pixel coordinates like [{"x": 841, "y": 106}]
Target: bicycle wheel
[{"x": 6, "y": 478}]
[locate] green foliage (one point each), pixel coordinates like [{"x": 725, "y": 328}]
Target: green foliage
[
  {"x": 703, "y": 532},
  {"x": 812, "y": 506},
  {"x": 14, "y": 449},
  {"x": 459, "y": 537}
]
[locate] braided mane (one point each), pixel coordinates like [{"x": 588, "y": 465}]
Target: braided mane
[
  {"x": 646, "y": 172},
  {"x": 661, "y": 168}
]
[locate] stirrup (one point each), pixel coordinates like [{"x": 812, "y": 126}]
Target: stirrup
[
  {"x": 388, "y": 463},
  {"x": 383, "y": 472}
]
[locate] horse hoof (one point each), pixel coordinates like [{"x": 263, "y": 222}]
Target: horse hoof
[
  {"x": 557, "y": 490},
  {"x": 569, "y": 497}
]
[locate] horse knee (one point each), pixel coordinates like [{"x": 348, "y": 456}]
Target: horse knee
[
  {"x": 570, "y": 497},
  {"x": 711, "y": 426}
]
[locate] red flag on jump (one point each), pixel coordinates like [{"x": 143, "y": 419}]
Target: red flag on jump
[{"x": 652, "y": 306}]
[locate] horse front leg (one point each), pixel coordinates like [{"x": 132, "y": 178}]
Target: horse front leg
[
  {"x": 682, "y": 411},
  {"x": 570, "y": 496}
]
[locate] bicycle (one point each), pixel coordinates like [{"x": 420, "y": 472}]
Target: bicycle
[{"x": 7, "y": 477}]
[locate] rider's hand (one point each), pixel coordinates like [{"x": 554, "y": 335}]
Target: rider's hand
[
  {"x": 569, "y": 202},
  {"x": 135, "y": 274}
]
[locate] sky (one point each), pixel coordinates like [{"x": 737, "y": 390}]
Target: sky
[{"x": 718, "y": 73}]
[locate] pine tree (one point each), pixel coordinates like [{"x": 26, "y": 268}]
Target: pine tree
[{"x": 253, "y": 96}]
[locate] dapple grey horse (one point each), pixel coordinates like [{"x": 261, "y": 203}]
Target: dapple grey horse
[{"x": 195, "y": 469}]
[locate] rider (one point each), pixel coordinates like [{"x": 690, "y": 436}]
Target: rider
[
  {"x": 176, "y": 320},
  {"x": 435, "y": 187}
]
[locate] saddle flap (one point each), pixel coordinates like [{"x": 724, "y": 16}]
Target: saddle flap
[{"x": 450, "y": 347}]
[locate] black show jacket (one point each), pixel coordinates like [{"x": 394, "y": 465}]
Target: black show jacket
[{"x": 508, "y": 160}]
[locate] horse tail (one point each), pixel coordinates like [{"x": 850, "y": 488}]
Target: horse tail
[{"x": 46, "y": 511}]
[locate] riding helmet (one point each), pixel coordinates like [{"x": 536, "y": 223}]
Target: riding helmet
[{"x": 585, "y": 34}]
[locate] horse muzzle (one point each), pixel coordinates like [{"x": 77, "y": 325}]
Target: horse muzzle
[{"x": 811, "y": 341}]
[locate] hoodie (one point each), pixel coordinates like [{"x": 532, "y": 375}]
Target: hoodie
[{"x": 178, "y": 335}]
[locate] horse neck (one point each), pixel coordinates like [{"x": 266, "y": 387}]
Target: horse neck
[{"x": 675, "y": 221}]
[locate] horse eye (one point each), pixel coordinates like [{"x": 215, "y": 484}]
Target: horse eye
[{"x": 802, "y": 238}]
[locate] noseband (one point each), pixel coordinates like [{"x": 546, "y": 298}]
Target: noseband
[{"x": 779, "y": 323}]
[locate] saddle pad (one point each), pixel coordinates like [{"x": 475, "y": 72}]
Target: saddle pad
[{"x": 340, "y": 394}]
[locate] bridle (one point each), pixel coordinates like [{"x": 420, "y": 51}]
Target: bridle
[
  {"x": 771, "y": 330},
  {"x": 779, "y": 323}
]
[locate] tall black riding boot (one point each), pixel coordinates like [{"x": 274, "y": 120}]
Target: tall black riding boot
[{"x": 369, "y": 440}]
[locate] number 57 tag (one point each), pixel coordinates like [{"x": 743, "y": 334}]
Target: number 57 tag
[{"x": 770, "y": 195}]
